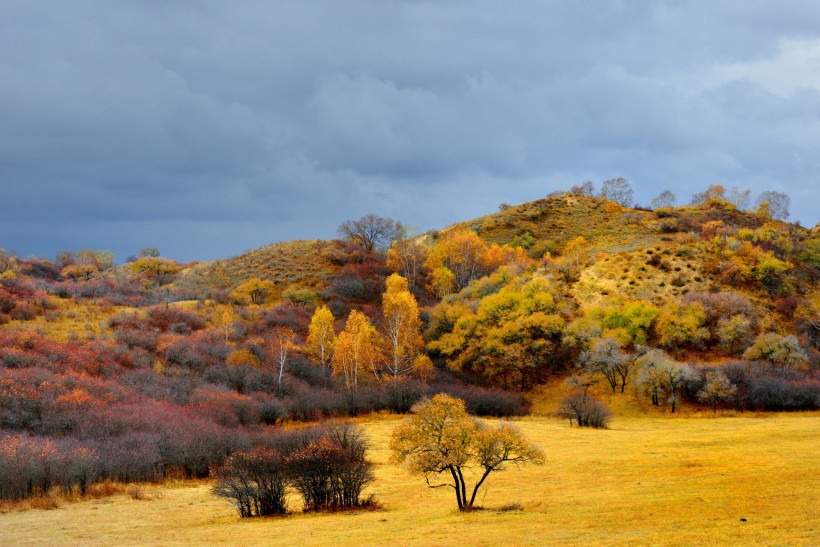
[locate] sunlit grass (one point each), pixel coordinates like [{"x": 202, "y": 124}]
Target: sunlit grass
[{"x": 748, "y": 479}]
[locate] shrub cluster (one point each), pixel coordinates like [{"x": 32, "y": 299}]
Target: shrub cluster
[
  {"x": 763, "y": 387},
  {"x": 584, "y": 410},
  {"x": 325, "y": 465}
]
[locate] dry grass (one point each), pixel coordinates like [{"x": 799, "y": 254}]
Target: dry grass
[
  {"x": 652, "y": 274},
  {"x": 299, "y": 264},
  {"x": 70, "y": 320},
  {"x": 648, "y": 480},
  {"x": 606, "y": 225}
]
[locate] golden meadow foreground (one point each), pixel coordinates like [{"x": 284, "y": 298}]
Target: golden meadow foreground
[{"x": 747, "y": 479}]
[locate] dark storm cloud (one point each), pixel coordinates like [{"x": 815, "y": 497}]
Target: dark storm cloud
[{"x": 209, "y": 128}]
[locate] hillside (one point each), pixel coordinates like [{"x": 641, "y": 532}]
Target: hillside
[
  {"x": 302, "y": 264},
  {"x": 551, "y": 222},
  {"x": 563, "y": 305}
]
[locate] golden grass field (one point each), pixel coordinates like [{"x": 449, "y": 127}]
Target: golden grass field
[{"x": 646, "y": 481}]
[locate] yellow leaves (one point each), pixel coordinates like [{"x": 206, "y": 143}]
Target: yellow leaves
[
  {"x": 442, "y": 282},
  {"x": 79, "y": 271},
  {"x": 321, "y": 337},
  {"x": 678, "y": 326},
  {"x": 503, "y": 443},
  {"x": 357, "y": 349},
  {"x": 402, "y": 327},
  {"x": 254, "y": 290},
  {"x": 156, "y": 270},
  {"x": 437, "y": 435},
  {"x": 242, "y": 356},
  {"x": 441, "y": 437},
  {"x": 462, "y": 252}
]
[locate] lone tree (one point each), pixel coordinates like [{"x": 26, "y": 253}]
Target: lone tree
[
  {"x": 371, "y": 232},
  {"x": 581, "y": 407},
  {"x": 777, "y": 204},
  {"x": 618, "y": 190},
  {"x": 442, "y": 438},
  {"x": 663, "y": 200},
  {"x": 256, "y": 290}
]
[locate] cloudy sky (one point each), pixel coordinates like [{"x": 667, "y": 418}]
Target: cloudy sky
[{"x": 209, "y": 128}]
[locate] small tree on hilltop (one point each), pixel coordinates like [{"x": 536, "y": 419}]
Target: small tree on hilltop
[
  {"x": 663, "y": 200},
  {"x": 618, "y": 190},
  {"x": 441, "y": 438},
  {"x": 714, "y": 192},
  {"x": 742, "y": 199},
  {"x": 158, "y": 271},
  {"x": 587, "y": 188},
  {"x": 371, "y": 232},
  {"x": 777, "y": 204}
]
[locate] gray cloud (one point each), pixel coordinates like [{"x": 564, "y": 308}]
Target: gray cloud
[{"x": 209, "y": 128}]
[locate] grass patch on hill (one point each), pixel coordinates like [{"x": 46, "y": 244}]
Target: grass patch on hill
[
  {"x": 301, "y": 264},
  {"x": 747, "y": 480},
  {"x": 605, "y": 224}
]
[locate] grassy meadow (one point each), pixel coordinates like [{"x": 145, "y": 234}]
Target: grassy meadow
[{"x": 742, "y": 479}]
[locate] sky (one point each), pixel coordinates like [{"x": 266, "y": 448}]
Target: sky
[{"x": 209, "y": 128}]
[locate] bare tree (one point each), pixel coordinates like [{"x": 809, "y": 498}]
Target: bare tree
[
  {"x": 778, "y": 204},
  {"x": 606, "y": 357},
  {"x": 664, "y": 199},
  {"x": 742, "y": 199},
  {"x": 618, "y": 190},
  {"x": 371, "y": 232},
  {"x": 582, "y": 408},
  {"x": 587, "y": 188},
  {"x": 715, "y": 191}
]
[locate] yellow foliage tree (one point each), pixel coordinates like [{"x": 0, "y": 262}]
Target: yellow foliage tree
[
  {"x": 441, "y": 438},
  {"x": 79, "y": 271},
  {"x": 406, "y": 257},
  {"x": 442, "y": 282},
  {"x": 402, "y": 328},
  {"x": 463, "y": 253},
  {"x": 254, "y": 290},
  {"x": 575, "y": 256},
  {"x": 321, "y": 337},
  {"x": 357, "y": 350},
  {"x": 158, "y": 271}
]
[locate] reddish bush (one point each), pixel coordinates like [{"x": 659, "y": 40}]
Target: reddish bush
[{"x": 174, "y": 319}]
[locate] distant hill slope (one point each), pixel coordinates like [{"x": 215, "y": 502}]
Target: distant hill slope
[
  {"x": 302, "y": 264},
  {"x": 605, "y": 224}
]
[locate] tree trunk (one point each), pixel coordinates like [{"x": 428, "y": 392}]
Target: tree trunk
[
  {"x": 463, "y": 488},
  {"x": 487, "y": 471},
  {"x": 457, "y": 488}
]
